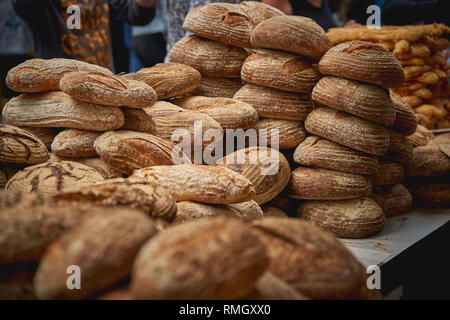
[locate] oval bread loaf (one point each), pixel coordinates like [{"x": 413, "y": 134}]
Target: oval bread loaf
[
  {"x": 429, "y": 161},
  {"x": 431, "y": 195},
  {"x": 271, "y": 287},
  {"x": 319, "y": 152},
  {"x": 323, "y": 184},
  {"x": 56, "y": 109},
  {"x": 354, "y": 218},
  {"x": 440, "y": 139},
  {"x": 74, "y": 143},
  {"x": 348, "y": 130},
  {"x": 137, "y": 120},
  {"x": 217, "y": 87},
  {"x": 207, "y": 184},
  {"x": 39, "y": 75},
  {"x": 421, "y": 137},
  {"x": 290, "y": 133},
  {"x": 394, "y": 200},
  {"x": 107, "y": 90}
]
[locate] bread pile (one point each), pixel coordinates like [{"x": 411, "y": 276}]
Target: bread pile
[
  {"x": 358, "y": 143},
  {"x": 420, "y": 50}
]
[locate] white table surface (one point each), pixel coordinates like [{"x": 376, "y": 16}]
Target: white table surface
[{"x": 398, "y": 234}]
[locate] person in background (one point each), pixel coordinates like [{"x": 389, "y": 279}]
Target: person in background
[
  {"x": 149, "y": 42},
  {"x": 404, "y": 12},
  {"x": 49, "y": 22},
  {"x": 16, "y": 44},
  {"x": 177, "y": 10},
  {"x": 318, "y": 10}
]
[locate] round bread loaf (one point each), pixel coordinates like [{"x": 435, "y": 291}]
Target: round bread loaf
[
  {"x": 431, "y": 195},
  {"x": 355, "y": 218},
  {"x": 274, "y": 103},
  {"x": 319, "y": 152},
  {"x": 266, "y": 168},
  {"x": 216, "y": 258},
  {"x": 279, "y": 70},
  {"x": 388, "y": 173},
  {"x": 400, "y": 149},
  {"x": 323, "y": 184},
  {"x": 311, "y": 260},
  {"x": 348, "y": 130},
  {"x": 217, "y": 87},
  {"x": 290, "y": 133},
  {"x": 74, "y": 143},
  {"x": 394, "y": 200},
  {"x": 430, "y": 161},
  {"x": 293, "y": 34},
  {"x": 363, "y": 100},
  {"x": 209, "y": 57},
  {"x": 363, "y": 61},
  {"x": 53, "y": 177},
  {"x": 405, "y": 118}
]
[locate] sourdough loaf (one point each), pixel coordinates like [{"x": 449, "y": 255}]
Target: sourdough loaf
[{"x": 74, "y": 143}]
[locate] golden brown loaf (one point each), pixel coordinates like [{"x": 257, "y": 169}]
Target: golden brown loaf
[
  {"x": 279, "y": 70},
  {"x": 245, "y": 211},
  {"x": 133, "y": 193},
  {"x": 20, "y": 147},
  {"x": 137, "y": 120},
  {"x": 38, "y": 75},
  {"x": 107, "y": 89},
  {"x": 323, "y": 184},
  {"x": 319, "y": 152},
  {"x": 405, "y": 118},
  {"x": 46, "y": 135},
  {"x": 400, "y": 148},
  {"x": 208, "y": 184},
  {"x": 228, "y": 23},
  {"x": 388, "y": 173},
  {"x": 266, "y": 168},
  {"x": 431, "y": 195},
  {"x": 421, "y": 137},
  {"x": 430, "y": 161},
  {"x": 363, "y": 100},
  {"x": 217, "y": 87},
  {"x": 57, "y": 109},
  {"x": 102, "y": 245},
  {"x": 348, "y": 130},
  {"x": 394, "y": 200},
  {"x": 229, "y": 113},
  {"x": 274, "y": 103},
  {"x": 209, "y": 57},
  {"x": 127, "y": 151},
  {"x": 355, "y": 218},
  {"x": 169, "y": 80},
  {"x": 311, "y": 260},
  {"x": 216, "y": 258},
  {"x": 74, "y": 143},
  {"x": 271, "y": 287},
  {"x": 290, "y": 133},
  {"x": 293, "y": 34},
  {"x": 440, "y": 139},
  {"x": 53, "y": 177},
  {"x": 363, "y": 61}
]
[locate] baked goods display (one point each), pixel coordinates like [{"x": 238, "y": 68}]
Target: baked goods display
[
  {"x": 422, "y": 52},
  {"x": 106, "y": 171}
]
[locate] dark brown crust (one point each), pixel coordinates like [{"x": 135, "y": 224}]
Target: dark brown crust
[
  {"x": 395, "y": 199},
  {"x": 431, "y": 195},
  {"x": 405, "y": 119},
  {"x": 400, "y": 148},
  {"x": 388, "y": 173},
  {"x": 429, "y": 161}
]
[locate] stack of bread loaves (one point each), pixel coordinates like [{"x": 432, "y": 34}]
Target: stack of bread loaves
[
  {"x": 420, "y": 50},
  {"x": 354, "y": 122}
]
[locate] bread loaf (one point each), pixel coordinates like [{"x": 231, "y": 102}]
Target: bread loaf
[
  {"x": 209, "y": 57},
  {"x": 169, "y": 80},
  {"x": 355, "y": 218},
  {"x": 405, "y": 118},
  {"x": 363, "y": 100},
  {"x": 388, "y": 173},
  {"x": 38, "y": 75},
  {"x": 229, "y": 113},
  {"x": 6, "y": 172},
  {"x": 108, "y": 90},
  {"x": 394, "y": 200},
  {"x": 363, "y": 61},
  {"x": 57, "y": 109},
  {"x": 217, "y": 258},
  {"x": 53, "y": 177},
  {"x": 274, "y": 103},
  {"x": 429, "y": 161},
  {"x": 137, "y": 120},
  {"x": 323, "y": 184},
  {"x": 290, "y": 133},
  {"x": 271, "y": 287},
  {"x": 217, "y": 87},
  {"x": 207, "y": 184},
  {"x": 348, "y": 130},
  {"x": 133, "y": 193},
  {"x": 245, "y": 211},
  {"x": 421, "y": 137},
  {"x": 440, "y": 139},
  {"x": 127, "y": 151},
  {"x": 311, "y": 260},
  {"x": 267, "y": 169},
  {"x": 293, "y": 34},
  {"x": 102, "y": 245},
  {"x": 46, "y": 135},
  {"x": 319, "y": 152},
  {"x": 20, "y": 147},
  {"x": 279, "y": 70},
  {"x": 74, "y": 143},
  {"x": 431, "y": 195},
  {"x": 400, "y": 149}
]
